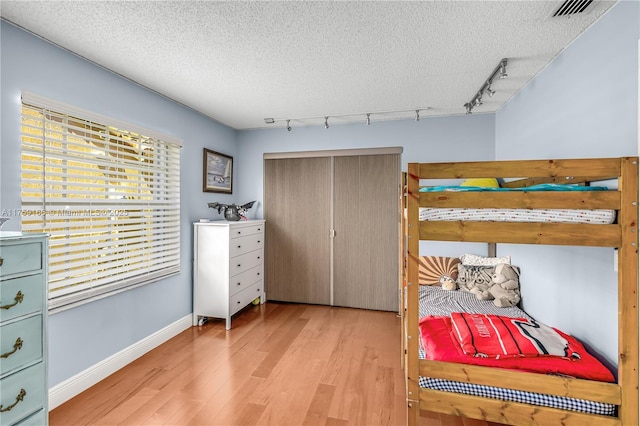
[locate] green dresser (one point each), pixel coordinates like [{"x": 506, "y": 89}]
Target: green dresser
[{"x": 23, "y": 329}]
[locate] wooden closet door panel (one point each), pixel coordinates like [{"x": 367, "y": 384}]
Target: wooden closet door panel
[
  {"x": 297, "y": 200},
  {"x": 366, "y": 222}
]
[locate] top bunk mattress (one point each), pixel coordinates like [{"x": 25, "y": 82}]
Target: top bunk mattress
[{"x": 602, "y": 217}]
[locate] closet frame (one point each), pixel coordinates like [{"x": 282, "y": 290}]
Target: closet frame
[{"x": 355, "y": 278}]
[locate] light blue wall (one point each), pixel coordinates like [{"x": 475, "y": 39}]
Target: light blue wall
[
  {"x": 584, "y": 104},
  {"x": 84, "y": 336}
]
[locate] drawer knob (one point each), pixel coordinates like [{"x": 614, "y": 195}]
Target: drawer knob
[
  {"x": 18, "y": 299},
  {"x": 238, "y": 302},
  {"x": 19, "y": 398},
  {"x": 239, "y": 265},
  {"x": 239, "y": 246},
  {"x": 16, "y": 346},
  {"x": 238, "y": 283}
]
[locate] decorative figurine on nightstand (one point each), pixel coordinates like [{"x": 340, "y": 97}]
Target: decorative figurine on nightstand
[{"x": 232, "y": 212}]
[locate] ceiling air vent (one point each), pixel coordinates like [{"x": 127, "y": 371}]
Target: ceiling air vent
[{"x": 573, "y": 7}]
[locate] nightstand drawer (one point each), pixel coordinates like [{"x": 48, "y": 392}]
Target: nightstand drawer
[
  {"x": 241, "y": 231},
  {"x": 246, "y": 296},
  {"x": 20, "y": 343},
  {"x": 22, "y": 394},
  {"x": 20, "y": 296},
  {"x": 245, "y": 262},
  {"x": 245, "y": 279},
  {"x": 243, "y": 245},
  {"x": 20, "y": 258}
]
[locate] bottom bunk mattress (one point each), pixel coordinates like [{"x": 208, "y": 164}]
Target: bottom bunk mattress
[{"x": 434, "y": 301}]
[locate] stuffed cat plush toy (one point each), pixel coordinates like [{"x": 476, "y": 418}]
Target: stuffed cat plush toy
[{"x": 476, "y": 280}]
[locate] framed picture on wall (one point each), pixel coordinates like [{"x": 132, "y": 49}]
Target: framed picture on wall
[{"x": 217, "y": 174}]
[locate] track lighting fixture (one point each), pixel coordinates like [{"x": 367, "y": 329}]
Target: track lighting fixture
[
  {"x": 500, "y": 71},
  {"x": 367, "y": 115}
]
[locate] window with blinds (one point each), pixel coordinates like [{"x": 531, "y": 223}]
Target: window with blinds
[{"x": 108, "y": 195}]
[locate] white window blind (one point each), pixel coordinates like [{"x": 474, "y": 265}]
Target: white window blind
[{"x": 106, "y": 192}]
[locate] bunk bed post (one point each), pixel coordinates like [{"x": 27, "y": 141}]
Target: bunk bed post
[
  {"x": 628, "y": 292},
  {"x": 411, "y": 331},
  {"x": 403, "y": 266}
]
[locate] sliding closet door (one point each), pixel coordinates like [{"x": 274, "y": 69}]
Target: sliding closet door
[
  {"x": 297, "y": 200},
  {"x": 366, "y": 222}
]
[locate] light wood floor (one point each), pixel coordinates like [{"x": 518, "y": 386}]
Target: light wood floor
[{"x": 280, "y": 364}]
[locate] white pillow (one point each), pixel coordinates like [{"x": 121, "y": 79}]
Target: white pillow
[{"x": 475, "y": 260}]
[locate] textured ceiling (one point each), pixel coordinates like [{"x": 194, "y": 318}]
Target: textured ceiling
[{"x": 239, "y": 62}]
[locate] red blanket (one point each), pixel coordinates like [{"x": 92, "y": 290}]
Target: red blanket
[
  {"x": 497, "y": 336},
  {"x": 440, "y": 344}
]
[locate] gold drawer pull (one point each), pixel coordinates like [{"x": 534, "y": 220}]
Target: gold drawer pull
[
  {"x": 19, "y": 398},
  {"x": 18, "y": 299},
  {"x": 17, "y": 345}
]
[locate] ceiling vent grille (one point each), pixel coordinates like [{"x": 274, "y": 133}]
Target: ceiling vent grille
[{"x": 573, "y": 7}]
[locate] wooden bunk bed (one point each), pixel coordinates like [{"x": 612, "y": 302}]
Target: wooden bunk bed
[{"x": 622, "y": 234}]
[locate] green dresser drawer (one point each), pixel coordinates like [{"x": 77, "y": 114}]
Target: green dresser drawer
[
  {"x": 20, "y": 258},
  {"x": 22, "y": 394},
  {"x": 37, "y": 419},
  {"x": 20, "y": 343},
  {"x": 21, "y": 296}
]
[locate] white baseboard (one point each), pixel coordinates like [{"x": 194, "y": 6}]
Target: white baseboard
[{"x": 82, "y": 381}]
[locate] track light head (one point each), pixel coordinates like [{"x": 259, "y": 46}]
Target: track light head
[
  {"x": 417, "y": 115},
  {"x": 469, "y": 107},
  {"x": 326, "y": 122},
  {"x": 503, "y": 69},
  {"x": 489, "y": 91},
  {"x": 478, "y": 100},
  {"x": 368, "y": 119},
  {"x": 269, "y": 120},
  {"x": 288, "y": 126}
]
